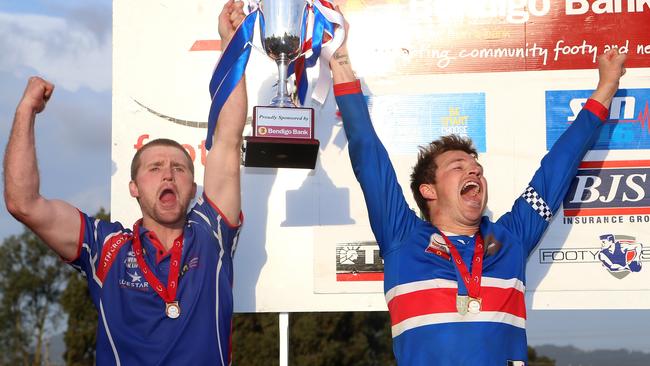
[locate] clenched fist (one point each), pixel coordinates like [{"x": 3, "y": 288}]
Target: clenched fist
[{"x": 37, "y": 92}]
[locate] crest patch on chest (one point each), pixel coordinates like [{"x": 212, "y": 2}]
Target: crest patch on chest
[
  {"x": 438, "y": 246},
  {"x": 492, "y": 245}
]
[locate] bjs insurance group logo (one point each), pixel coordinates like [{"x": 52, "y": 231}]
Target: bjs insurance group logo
[
  {"x": 628, "y": 125},
  {"x": 613, "y": 188}
]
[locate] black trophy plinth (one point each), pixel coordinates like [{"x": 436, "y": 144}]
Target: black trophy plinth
[{"x": 267, "y": 152}]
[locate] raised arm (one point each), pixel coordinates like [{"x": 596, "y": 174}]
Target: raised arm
[
  {"x": 222, "y": 172},
  {"x": 559, "y": 166},
  {"x": 389, "y": 215},
  {"x": 340, "y": 62},
  {"x": 611, "y": 67},
  {"x": 54, "y": 221}
]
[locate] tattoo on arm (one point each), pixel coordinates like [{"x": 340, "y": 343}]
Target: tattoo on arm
[{"x": 342, "y": 59}]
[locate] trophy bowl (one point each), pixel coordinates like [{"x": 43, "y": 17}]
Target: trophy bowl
[
  {"x": 281, "y": 40},
  {"x": 283, "y": 134}
]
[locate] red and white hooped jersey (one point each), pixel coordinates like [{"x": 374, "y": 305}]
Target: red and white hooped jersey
[{"x": 420, "y": 281}]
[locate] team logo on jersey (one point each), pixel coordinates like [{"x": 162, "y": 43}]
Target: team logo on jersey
[
  {"x": 438, "y": 246},
  {"x": 192, "y": 263},
  {"x": 134, "y": 280},
  {"x": 620, "y": 254},
  {"x": 130, "y": 261},
  {"x": 135, "y": 277},
  {"x": 492, "y": 245}
]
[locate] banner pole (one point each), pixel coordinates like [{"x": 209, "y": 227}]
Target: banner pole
[{"x": 284, "y": 339}]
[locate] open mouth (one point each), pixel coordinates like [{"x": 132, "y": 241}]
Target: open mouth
[
  {"x": 167, "y": 196},
  {"x": 471, "y": 191}
]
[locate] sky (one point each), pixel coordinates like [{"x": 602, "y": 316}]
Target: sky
[{"x": 68, "y": 42}]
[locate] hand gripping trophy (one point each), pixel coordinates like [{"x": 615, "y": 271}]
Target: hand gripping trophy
[{"x": 283, "y": 134}]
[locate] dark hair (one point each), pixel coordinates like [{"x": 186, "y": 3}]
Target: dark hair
[
  {"x": 135, "y": 163},
  {"x": 425, "y": 168}
]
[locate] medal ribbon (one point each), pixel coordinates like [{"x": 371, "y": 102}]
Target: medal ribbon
[
  {"x": 230, "y": 69},
  {"x": 167, "y": 294},
  {"x": 473, "y": 281},
  {"x": 326, "y": 21}
]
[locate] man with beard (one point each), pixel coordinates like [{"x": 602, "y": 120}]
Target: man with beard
[
  {"x": 163, "y": 290},
  {"x": 454, "y": 281}
]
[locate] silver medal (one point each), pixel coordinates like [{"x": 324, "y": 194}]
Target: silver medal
[{"x": 173, "y": 310}]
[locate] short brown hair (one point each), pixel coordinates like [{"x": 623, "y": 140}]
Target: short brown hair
[
  {"x": 425, "y": 168},
  {"x": 135, "y": 163}
]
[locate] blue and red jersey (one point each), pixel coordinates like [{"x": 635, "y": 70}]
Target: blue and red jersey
[
  {"x": 420, "y": 281},
  {"x": 133, "y": 327}
]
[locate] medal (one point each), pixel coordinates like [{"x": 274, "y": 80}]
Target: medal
[
  {"x": 172, "y": 310},
  {"x": 461, "y": 304},
  {"x": 474, "y": 305},
  {"x": 471, "y": 303},
  {"x": 168, "y": 294}
]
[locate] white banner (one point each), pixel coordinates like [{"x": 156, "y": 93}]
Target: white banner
[{"x": 306, "y": 243}]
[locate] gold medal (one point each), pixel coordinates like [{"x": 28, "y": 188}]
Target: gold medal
[
  {"x": 461, "y": 304},
  {"x": 173, "y": 310},
  {"x": 474, "y": 305}
]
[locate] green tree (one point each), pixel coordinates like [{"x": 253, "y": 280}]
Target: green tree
[
  {"x": 315, "y": 339},
  {"x": 345, "y": 339},
  {"x": 80, "y": 335},
  {"x": 534, "y": 360},
  {"x": 255, "y": 339},
  {"x": 32, "y": 279}
]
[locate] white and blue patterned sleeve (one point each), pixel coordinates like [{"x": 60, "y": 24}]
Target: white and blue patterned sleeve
[
  {"x": 534, "y": 209},
  {"x": 207, "y": 215},
  {"x": 98, "y": 242}
]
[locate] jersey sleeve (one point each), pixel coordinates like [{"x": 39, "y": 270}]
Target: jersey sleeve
[
  {"x": 206, "y": 214},
  {"x": 98, "y": 242},
  {"x": 390, "y": 217},
  {"x": 533, "y": 210}
]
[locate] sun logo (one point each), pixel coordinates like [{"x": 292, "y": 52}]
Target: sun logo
[{"x": 348, "y": 254}]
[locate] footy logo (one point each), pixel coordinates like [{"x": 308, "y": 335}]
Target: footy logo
[
  {"x": 620, "y": 254},
  {"x": 438, "y": 246}
]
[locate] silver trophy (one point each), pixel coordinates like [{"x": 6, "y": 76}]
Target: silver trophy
[
  {"x": 283, "y": 134},
  {"x": 281, "y": 39}
]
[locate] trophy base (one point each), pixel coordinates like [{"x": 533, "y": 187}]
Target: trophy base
[{"x": 277, "y": 152}]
